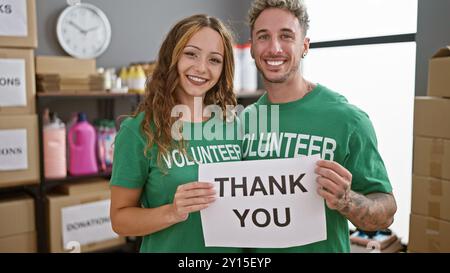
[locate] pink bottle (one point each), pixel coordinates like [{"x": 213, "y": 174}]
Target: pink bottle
[
  {"x": 82, "y": 159},
  {"x": 54, "y": 142}
]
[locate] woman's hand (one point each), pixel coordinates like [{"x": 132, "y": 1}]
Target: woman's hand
[{"x": 192, "y": 197}]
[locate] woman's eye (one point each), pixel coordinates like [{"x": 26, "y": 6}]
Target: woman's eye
[
  {"x": 190, "y": 54},
  {"x": 216, "y": 61}
]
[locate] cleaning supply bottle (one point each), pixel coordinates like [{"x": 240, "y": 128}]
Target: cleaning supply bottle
[
  {"x": 110, "y": 135},
  {"x": 132, "y": 79},
  {"x": 54, "y": 144},
  {"x": 140, "y": 80},
  {"x": 100, "y": 128},
  {"x": 72, "y": 121},
  {"x": 124, "y": 76},
  {"x": 82, "y": 147}
]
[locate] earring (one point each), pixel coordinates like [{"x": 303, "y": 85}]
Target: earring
[{"x": 304, "y": 54}]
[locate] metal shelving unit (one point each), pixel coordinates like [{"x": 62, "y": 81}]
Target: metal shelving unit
[{"x": 106, "y": 104}]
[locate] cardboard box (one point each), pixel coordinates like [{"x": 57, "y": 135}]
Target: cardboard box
[
  {"x": 438, "y": 73},
  {"x": 20, "y": 243},
  {"x": 428, "y": 234},
  {"x": 58, "y": 202},
  {"x": 17, "y": 216},
  {"x": 431, "y": 197},
  {"x": 18, "y": 21},
  {"x": 65, "y": 66},
  {"x": 19, "y": 159},
  {"x": 86, "y": 186},
  {"x": 431, "y": 117},
  {"x": 431, "y": 157},
  {"x": 17, "y": 82}
]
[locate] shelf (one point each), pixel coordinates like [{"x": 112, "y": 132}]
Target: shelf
[
  {"x": 92, "y": 94},
  {"x": 49, "y": 183},
  {"x": 103, "y": 94}
]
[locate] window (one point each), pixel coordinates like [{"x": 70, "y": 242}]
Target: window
[
  {"x": 375, "y": 74},
  {"x": 350, "y": 19}
]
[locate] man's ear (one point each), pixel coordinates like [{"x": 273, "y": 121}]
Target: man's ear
[
  {"x": 306, "y": 43},
  {"x": 251, "y": 48}
]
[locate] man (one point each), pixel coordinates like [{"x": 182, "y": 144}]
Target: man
[{"x": 352, "y": 177}]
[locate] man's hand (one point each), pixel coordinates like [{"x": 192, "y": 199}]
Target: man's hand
[
  {"x": 371, "y": 212},
  {"x": 334, "y": 184}
]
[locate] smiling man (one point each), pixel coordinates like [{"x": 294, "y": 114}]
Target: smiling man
[{"x": 313, "y": 119}]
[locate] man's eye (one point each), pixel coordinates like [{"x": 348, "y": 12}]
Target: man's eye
[
  {"x": 263, "y": 37},
  {"x": 286, "y": 37}
]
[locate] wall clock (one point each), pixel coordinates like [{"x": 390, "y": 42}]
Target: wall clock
[{"x": 83, "y": 31}]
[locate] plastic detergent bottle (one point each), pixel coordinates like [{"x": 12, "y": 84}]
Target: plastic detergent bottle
[
  {"x": 82, "y": 147},
  {"x": 54, "y": 142},
  {"x": 110, "y": 135}
]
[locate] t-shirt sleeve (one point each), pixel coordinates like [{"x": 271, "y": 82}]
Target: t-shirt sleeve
[
  {"x": 130, "y": 165},
  {"x": 364, "y": 161}
]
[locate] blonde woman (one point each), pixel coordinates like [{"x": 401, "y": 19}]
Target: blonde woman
[{"x": 154, "y": 187}]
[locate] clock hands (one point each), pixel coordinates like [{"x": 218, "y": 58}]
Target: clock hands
[
  {"x": 91, "y": 29},
  {"x": 82, "y": 30},
  {"x": 78, "y": 27}
]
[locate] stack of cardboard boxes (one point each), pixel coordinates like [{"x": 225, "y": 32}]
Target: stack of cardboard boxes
[
  {"x": 67, "y": 75},
  {"x": 19, "y": 156},
  {"x": 17, "y": 228},
  {"x": 79, "y": 218},
  {"x": 19, "y": 147},
  {"x": 430, "y": 209}
]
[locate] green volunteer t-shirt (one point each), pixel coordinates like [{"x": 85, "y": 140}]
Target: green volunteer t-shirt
[
  {"x": 132, "y": 169},
  {"x": 324, "y": 123}
]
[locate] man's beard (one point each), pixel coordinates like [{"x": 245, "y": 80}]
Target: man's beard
[{"x": 282, "y": 78}]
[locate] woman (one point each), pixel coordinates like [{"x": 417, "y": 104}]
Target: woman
[{"x": 154, "y": 187}]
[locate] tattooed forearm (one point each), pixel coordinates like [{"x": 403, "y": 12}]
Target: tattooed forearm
[{"x": 370, "y": 212}]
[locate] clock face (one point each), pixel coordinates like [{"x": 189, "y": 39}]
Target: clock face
[{"x": 83, "y": 31}]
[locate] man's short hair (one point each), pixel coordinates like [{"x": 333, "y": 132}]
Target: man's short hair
[{"x": 296, "y": 7}]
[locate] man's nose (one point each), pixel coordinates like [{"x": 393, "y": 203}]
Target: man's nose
[{"x": 275, "y": 46}]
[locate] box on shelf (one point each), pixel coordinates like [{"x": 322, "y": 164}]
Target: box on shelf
[
  {"x": 65, "y": 65},
  {"x": 17, "y": 214},
  {"x": 431, "y": 117},
  {"x": 17, "y": 228},
  {"x": 431, "y": 197},
  {"x": 85, "y": 186},
  {"x": 427, "y": 234},
  {"x": 438, "y": 73},
  {"x": 431, "y": 157},
  {"x": 20, "y": 243},
  {"x": 17, "y": 82},
  {"x": 67, "y": 74},
  {"x": 19, "y": 145},
  {"x": 85, "y": 218},
  {"x": 18, "y": 24}
]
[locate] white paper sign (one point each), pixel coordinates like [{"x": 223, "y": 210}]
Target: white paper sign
[
  {"x": 12, "y": 83},
  {"x": 13, "y": 150},
  {"x": 13, "y": 18},
  {"x": 273, "y": 204},
  {"x": 87, "y": 223}
]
